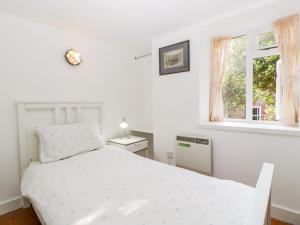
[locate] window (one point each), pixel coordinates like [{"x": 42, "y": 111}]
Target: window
[
  {"x": 234, "y": 87},
  {"x": 251, "y": 88},
  {"x": 256, "y": 112},
  {"x": 266, "y": 40},
  {"x": 264, "y": 86}
]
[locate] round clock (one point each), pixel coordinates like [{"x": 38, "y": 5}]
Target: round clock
[{"x": 73, "y": 57}]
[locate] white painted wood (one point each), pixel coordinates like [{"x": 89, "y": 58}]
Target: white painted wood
[
  {"x": 10, "y": 205},
  {"x": 56, "y": 115},
  {"x": 133, "y": 147},
  {"x": 32, "y": 114},
  {"x": 127, "y": 141},
  {"x": 285, "y": 214},
  {"x": 133, "y": 144},
  {"x": 142, "y": 129},
  {"x": 28, "y": 142},
  {"x": 299, "y": 113},
  {"x": 249, "y": 76},
  {"x": 259, "y": 212},
  {"x": 68, "y": 114},
  {"x": 22, "y": 136},
  {"x": 52, "y": 105},
  {"x": 137, "y": 146},
  {"x": 79, "y": 114},
  {"x": 251, "y": 128}
]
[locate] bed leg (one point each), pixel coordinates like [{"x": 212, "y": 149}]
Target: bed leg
[{"x": 268, "y": 219}]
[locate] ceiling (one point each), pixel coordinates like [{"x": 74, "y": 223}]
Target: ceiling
[{"x": 129, "y": 24}]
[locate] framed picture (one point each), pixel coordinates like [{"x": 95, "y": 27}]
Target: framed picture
[{"x": 174, "y": 58}]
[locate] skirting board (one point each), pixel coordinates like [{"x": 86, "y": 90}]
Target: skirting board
[
  {"x": 278, "y": 212},
  {"x": 10, "y": 205},
  {"x": 285, "y": 214}
]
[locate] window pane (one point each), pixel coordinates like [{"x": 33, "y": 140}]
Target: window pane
[
  {"x": 266, "y": 40},
  {"x": 234, "y": 88},
  {"x": 256, "y": 112},
  {"x": 265, "y": 80}
]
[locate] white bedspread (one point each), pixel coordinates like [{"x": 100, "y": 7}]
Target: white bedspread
[{"x": 114, "y": 187}]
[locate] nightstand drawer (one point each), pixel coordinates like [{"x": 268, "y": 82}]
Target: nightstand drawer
[{"x": 137, "y": 146}]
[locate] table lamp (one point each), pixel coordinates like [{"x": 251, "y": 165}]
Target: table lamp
[{"x": 124, "y": 125}]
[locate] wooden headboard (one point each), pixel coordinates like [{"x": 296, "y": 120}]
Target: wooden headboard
[{"x": 31, "y": 114}]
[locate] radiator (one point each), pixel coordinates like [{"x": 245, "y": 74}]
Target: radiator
[{"x": 194, "y": 153}]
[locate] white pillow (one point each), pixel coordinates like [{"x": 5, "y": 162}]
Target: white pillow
[{"x": 62, "y": 141}]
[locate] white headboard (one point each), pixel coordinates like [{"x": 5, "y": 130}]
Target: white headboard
[{"x": 31, "y": 114}]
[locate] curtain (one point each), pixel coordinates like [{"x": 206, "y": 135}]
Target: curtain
[
  {"x": 287, "y": 37},
  {"x": 220, "y": 52}
]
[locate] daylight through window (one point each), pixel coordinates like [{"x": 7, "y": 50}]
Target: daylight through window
[
  {"x": 252, "y": 86},
  {"x": 234, "y": 88}
]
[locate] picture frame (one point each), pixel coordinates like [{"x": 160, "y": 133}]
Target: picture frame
[{"x": 174, "y": 58}]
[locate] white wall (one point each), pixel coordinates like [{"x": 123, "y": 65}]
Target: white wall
[
  {"x": 33, "y": 68},
  {"x": 144, "y": 69},
  {"x": 181, "y": 102}
]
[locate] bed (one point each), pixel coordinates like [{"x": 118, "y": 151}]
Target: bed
[{"x": 110, "y": 186}]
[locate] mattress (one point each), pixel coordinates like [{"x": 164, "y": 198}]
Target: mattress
[{"x": 112, "y": 186}]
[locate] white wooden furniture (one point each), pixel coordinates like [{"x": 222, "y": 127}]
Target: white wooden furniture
[
  {"x": 146, "y": 132},
  {"x": 260, "y": 211},
  {"x": 132, "y": 143},
  {"x": 31, "y": 114}
]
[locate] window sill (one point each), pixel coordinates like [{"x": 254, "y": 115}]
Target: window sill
[{"x": 251, "y": 128}]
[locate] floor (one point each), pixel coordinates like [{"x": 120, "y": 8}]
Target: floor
[
  {"x": 28, "y": 217},
  {"x": 20, "y": 217}
]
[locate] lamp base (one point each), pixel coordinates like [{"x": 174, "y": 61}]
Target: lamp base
[{"x": 125, "y": 136}]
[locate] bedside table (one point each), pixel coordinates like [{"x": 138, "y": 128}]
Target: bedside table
[{"x": 133, "y": 144}]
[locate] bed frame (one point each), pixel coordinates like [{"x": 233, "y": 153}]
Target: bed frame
[{"x": 31, "y": 114}]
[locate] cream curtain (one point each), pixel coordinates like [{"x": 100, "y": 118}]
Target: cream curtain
[
  {"x": 220, "y": 52},
  {"x": 287, "y": 37}
]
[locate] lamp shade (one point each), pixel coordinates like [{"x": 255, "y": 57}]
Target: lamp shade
[{"x": 123, "y": 123}]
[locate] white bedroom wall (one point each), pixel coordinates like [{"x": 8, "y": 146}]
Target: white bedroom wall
[
  {"x": 144, "y": 69},
  {"x": 181, "y": 102},
  {"x": 33, "y": 68}
]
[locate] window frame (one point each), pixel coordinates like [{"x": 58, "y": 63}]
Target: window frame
[{"x": 253, "y": 52}]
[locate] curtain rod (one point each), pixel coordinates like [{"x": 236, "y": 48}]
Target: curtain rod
[{"x": 142, "y": 56}]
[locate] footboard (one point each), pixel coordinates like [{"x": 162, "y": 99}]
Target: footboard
[{"x": 259, "y": 211}]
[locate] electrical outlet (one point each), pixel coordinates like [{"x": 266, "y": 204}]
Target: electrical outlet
[{"x": 170, "y": 155}]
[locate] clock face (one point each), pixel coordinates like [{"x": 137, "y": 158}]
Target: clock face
[{"x": 73, "y": 57}]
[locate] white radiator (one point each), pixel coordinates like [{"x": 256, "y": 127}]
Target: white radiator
[{"x": 194, "y": 153}]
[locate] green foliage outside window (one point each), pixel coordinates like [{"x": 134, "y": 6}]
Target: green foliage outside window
[
  {"x": 264, "y": 85},
  {"x": 264, "y": 81},
  {"x": 234, "y": 87}
]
